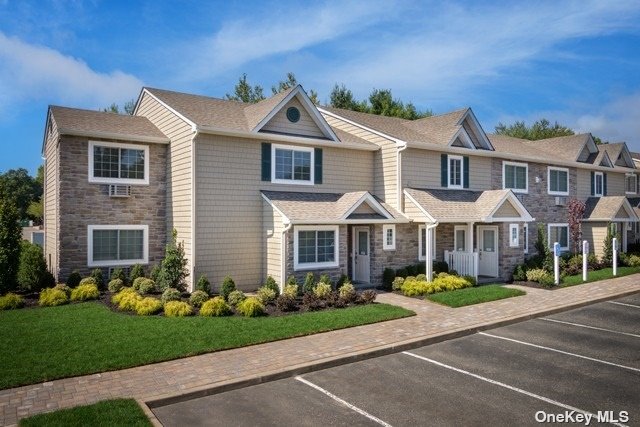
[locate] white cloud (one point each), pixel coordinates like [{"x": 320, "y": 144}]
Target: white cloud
[{"x": 29, "y": 72}]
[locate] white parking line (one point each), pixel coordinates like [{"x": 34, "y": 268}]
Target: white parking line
[
  {"x": 546, "y": 319},
  {"x": 560, "y": 351},
  {"x": 623, "y": 303},
  {"x": 507, "y": 386},
  {"x": 344, "y": 402}
]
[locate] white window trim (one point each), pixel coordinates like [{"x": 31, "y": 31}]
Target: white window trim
[
  {"x": 457, "y": 228},
  {"x": 315, "y": 265},
  {"x": 630, "y": 175},
  {"x": 274, "y": 147},
  {"x": 557, "y": 193},
  {"x": 517, "y": 242},
  {"x": 449, "y": 158},
  {"x": 433, "y": 242},
  {"x": 125, "y": 181},
  {"x": 525, "y": 226},
  {"x": 385, "y": 246},
  {"x": 595, "y": 184},
  {"x": 145, "y": 245},
  {"x": 526, "y": 180},
  {"x": 550, "y": 243}
]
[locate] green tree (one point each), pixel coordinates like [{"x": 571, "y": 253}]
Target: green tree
[
  {"x": 244, "y": 92},
  {"x": 380, "y": 102},
  {"x": 173, "y": 269},
  {"x": 23, "y": 188},
  {"x": 32, "y": 271},
  {"x": 128, "y": 108},
  {"x": 540, "y": 129},
  {"x": 607, "y": 252},
  {"x": 10, "y": 238},
  {"x": 283, "y": 85}
]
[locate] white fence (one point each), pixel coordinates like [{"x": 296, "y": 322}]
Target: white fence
[{"x": 465, "y": 263}]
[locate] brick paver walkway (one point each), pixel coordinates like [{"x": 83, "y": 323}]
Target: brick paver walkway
[{"x": 162, "y": 380}]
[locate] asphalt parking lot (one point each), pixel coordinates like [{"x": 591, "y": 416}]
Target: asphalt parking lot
[{"x": 578, "y": 362}]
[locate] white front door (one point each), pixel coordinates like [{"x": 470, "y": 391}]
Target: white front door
[
  {"x": 361, "y": 258},
  {"x": 488, "y": 251}
]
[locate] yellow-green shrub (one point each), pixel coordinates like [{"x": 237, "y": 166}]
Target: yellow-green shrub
[
  {"x": 127, "y": 299},
  {"x": 347, "y": 291},
  {"x": 634, "y": 261},
  {"x": 177, "y": 309},
  {"x": 85, "y": 292},
  {"x": 290, "y": 290},
  {"x": 451, "y": 283},
  {"x": 442, "y": 282},
  {"x": 236, "y": 297},
  {"x": 66, "y": 289},
  {"x": 147, "y": 306},
  {"x": 51, "y": 297},
  {"x": 322, "y": 290},
  {"x": 266, "y": 295},
  {"x": 198, "y": 298},
  {"x": 11, "y": 301},
  {"x": 250, "y": 307},
  {"x": 88, "y": 281},
  {"x": 215, "y": 307},
  {"x": 412, "y": 288},
  {"x": 535, "y": 274}
]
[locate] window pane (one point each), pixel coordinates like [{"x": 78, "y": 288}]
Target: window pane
[
  {"x": 105, "y": 162},
  {"x": 326, "y": 246},
  {"x": 562, "y": 181},
  {"x": 521, "y": 178},
  {"x": 389, "y": 237},
  {"x": 306, "y": 246},
  {"x": 105, "y": 245},
  {"x": 488, "y": 240},
  {"x": 302, "y": 165},
  {"x": 132, "y": 164},
  {"x": 564, "y": 237},
  {"x": 509, "y": 176},
  {"x": 284, "y": 162},
  {"x": 423, "y": 239},
  {"x": 131, "y": 244},
  {"x": 455, "y": 172},
  {"x": 460, "y": 240},
  {"x": 598, "y": 184},
  {"x": 363, "y": 243}
]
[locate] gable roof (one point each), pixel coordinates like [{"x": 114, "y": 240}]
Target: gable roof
[
  {"x": 566, "y": 148},
  {"x": 618, "y": 151},
  {"x": 605, "y": 209}
]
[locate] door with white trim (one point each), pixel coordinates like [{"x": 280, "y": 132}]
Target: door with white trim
[
  {"x": 488, "y": 251},
  {"x": 361, "y": 256}
]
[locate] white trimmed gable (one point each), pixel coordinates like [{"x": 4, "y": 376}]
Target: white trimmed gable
[{"x": 471, "y": 134}]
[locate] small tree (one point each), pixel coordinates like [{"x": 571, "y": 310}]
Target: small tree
[
  {"x": 32, "y": 272},
  {"x": 607, "y": 252},
  {"x": 203, "y": 284},
  {"x": 136, "y": 271},
  {"x": 173, "y": 269},
  {"x": 96, "y": 273},
  {"x": 10, "y": 237},
  {"x": 541, "y": 244},
  {"x": 576, "y": 210}
]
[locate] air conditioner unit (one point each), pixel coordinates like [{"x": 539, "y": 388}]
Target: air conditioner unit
[
  {"x": 561, "y": 200},
  {"x": 119, "y": 190}
]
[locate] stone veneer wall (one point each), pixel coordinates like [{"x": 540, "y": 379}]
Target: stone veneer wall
[
  {"x": 405, "y": 253},
  {"x": 83, "y": 203},
  {"x": 509, "y": 257}
]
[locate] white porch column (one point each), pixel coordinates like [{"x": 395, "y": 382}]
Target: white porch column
[
  {"x": 428, "y": 250},
  {"x": 469, "y": 243}
]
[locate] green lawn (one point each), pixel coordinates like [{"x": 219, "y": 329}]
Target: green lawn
[
  {"x": 475, "y": 295},
  {"x": 593, "y": 276},
  {"x": 42, "y": 344},
  {"x": 117, "y": 412}
]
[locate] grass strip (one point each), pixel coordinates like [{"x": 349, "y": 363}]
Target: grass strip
[
  {"x": 475, "y": 295},
  {"x": 594, "y": 276}
]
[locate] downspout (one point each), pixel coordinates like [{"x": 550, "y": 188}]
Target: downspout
[
  {"x": 400, "y": 205},
  {"x": 193, "y": 208},
  {"x": 283, "y": 259},
  {"x": 427, "y": 250}
]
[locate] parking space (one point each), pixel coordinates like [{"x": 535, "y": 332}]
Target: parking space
[{"x": 585, "y": 360}]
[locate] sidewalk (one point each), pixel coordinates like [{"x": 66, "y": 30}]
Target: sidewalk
[{"x": 196, "y": 376}]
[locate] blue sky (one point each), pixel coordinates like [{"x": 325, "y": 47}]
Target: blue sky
[{"x": 577, "y": 62}]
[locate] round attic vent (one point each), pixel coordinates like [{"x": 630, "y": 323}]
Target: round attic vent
[{"x": 293, "y": 114}]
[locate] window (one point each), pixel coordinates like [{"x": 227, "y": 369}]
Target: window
[
  {"x": 292, "y": 165},
  {"x": 514, "y": 235},
  {"x": 421, "y": 248},
  {"x": 558, "y": 179},
  {"x": 598, "y": 189},
  {"x": 455, "y": 172},
  {"x": 315, "y": 247},
  {"x": 110, "y": 245},
  {"x": 526, "y": 238},
  {"x": 515, "y": 176},
  {"x": 559, "y": 233},
  {"x": 631, "y": 183},
  {"x": 389, "y": 236},
  {"x": 460, "y": 238},
  {"x": 115, "y": 163}
]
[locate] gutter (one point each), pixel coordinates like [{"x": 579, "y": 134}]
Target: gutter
[
  {"x": 399, "y": 190},
  {"x": 114, "y": 135}
]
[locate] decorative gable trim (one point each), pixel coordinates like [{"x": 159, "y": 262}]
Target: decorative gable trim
[
  {"x": 484, "y": 141},
  {"x": 464, "y": 137},
  {"x": 606, "y": 160},
  {"x": 510, "y": 197},
  {"x": 372, "y": 202},
  {"x": 626, "y": 155}
]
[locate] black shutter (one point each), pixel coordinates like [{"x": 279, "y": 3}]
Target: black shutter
[
  {"x": 444, "y": 175},
  {"x": 266, "y": 161},
  {"x": 317, "y": 154},
  {"x": 604, "y": 184},
  {"x": 593, "y": 183},
  {"x": 465, "y": 173}
]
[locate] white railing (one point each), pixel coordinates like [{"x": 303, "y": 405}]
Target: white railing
[{"x": 465, "y": 263}]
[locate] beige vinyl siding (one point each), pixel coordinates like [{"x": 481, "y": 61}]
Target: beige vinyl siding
[
  {"x": 305, "y": 126},
  {"x": 364, "y": 208},
  {"x": 595, "y": 233},
  {"x": 584, "y": 183},
  {"x": 615, "y": 184},
  {"x": 412, "y": 211},
  {"x": 506, "y": 211},
  {"x": 421, "y": 169},
  {"x": 229, "y": 207},
  {"x": 272, "y": 232},
  {"x": 385, "y": 165},
  {"x": 178, "y": 170},
  {"x": 51, "y": 201},
  {"x": 622, "y": 214}
]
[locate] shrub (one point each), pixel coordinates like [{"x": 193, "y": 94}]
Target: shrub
[
  {"x": 271, "y": 284},
  {"x": 85, "y": 292},
  {"x": 127, "y": 299},
  {"x": 148, "y": 306},
  {"x": 266, "y": 295},
  {"x": 198, "y": 298},
  {"x": 203, "y": 285},
  {"x": 368, "y": 296},
  {"x": 236, "y": 297},
  {"x": 97, "y": 276},
  {"x": 536, "y": 274},
  {"x": 215, "y": 307},
  {"x": 449, "y": 282},
  {"x": 118, "y": 273},
  {"x": 593, "y": 262},
  {"x": 51, "y": 297},
  {"x": 324, "y": 278},
  {"x": 547, "y": 281},
  {"x": 421, "y": 277},
  {"x": 292, "y": 280},
  {"x": 402, "y": 272},
  {"x": 170, "y": 294},
  {"x": 342, "y": 280},
  {"x": 74, "y": 279},
  {"x": 250, "y": 307},
  {"x": 177, "y": 309},
  {"x": 115, "y": 285},
  {"x": 309, "y": 283},
  {"x": 634, "y": 261},
  {"x": 136, "y": 283},
  {"x": 228, "y": 286},
  {"x": 623, "y": 259},
  {"x": 421, "y": 268},
  {"x": 64, "y": 288},
  {"x": 347, "y": 292},
  {"x": 144, "y": 285},
  {"x": 573, "y": 265},
  {"x": 88, "y": 281},
  {"x": 10, "y": 238},
  {"x": 520, "y": 273},
  {"x": 11, "y": 301},
  {"x": 173, "y": 269},
  {"x": 286, "y": 302},
  {"x": 411, "y": 270},
  {"x": 32, "y": 269},
  {"x": 292, "y": 290},
  {"x": 154, "y": 274},
  {"x": 397, "y": 283},
  {"x": 440, "y": 267},
  {"x": 387, "y": 277},
  {"x": 334, "y": 300},
  {"x": 470, "y": 279},
  {"x": 411, "y": 288},
  {"x": 311, "y": 302},
  {"x": 136, "y": 271},
  {"x": 322, "y": 290}
]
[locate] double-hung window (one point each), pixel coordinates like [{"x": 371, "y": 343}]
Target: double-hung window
[
  {"x": 514, "y": 235},
  {"x": 559, "y": 233},
  {"x": 598, "y": 185},
  {"x": 292, "y": 165},
  {"x": 558, "y": 179},
  {"x": 115, "y": 163},
  {"x": 456, "y": 172},
  {"x": 515, "y": 176},
  {"x": 315, "y": 247},
  {"x": 422, "y": 250},
  {"x": 460, "y": 238},
  {"x": 389, "y": 237},
  {"x": 110, "y": 245},
  {"x": 631, "y": 183}
]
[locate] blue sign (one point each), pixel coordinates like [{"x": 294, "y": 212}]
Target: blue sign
[{"x": 556, "y": 249}]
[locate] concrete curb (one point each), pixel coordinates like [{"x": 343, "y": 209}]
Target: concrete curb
[{"x": 357, "y": 356}]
